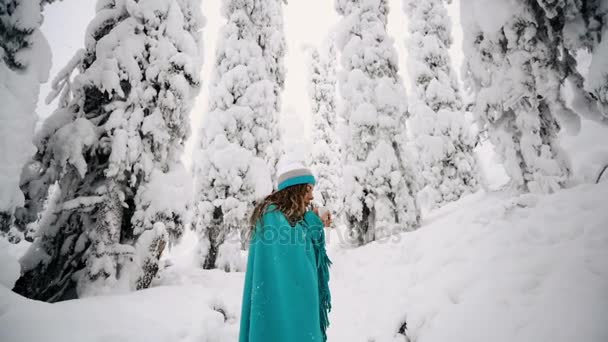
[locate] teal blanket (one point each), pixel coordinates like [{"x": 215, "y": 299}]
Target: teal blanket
[{"x": 286, "y": 296}]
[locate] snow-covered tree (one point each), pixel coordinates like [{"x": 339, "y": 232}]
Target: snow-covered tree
[
  {"x": 597, "y": 81},
  {"x": 538, "y": 49},
  {"x": 114, "y": 147},
  {"x": 515, "y": 72},
  {"x": 442, "y": 138},
  {"x": 25, "y": 62},
  {"x": 378, "y": 183},
  {"x": 239, "y": 146},
  {"x": 575, "y": 26},
  {"x": 268, "y": 18},
  {"x": 325, "y": 156},
  {"x": 38, "y": 182}
]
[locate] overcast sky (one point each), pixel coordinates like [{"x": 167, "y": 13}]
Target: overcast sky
[{"x": 307, "y": 22}]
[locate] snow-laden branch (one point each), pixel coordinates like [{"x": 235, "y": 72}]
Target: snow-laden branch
[{"x": 61, "y": 83}]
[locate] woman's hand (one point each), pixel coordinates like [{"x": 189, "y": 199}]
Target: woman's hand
[
  {"x": 324, "y": 214},
  {"x": 326, "y": 218}
]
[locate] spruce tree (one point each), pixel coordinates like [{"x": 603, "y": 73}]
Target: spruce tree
[
  {"x": 239, "y": 144},
  {"x": 114, "y": 149},
  {"x": 326, "y": 158},
  {"x": 378, "y": 182},
  {"x": 25, "y": 62},
  {"x": 442, "y": 138},
  {"x": 517, "y": 86},
  {"x": 575, "y": 26}
]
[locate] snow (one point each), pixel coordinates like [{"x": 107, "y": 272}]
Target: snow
[
  {"x": 598, "y": 73},
  {"x": 81, "y": 202},
  {"x": 531, "y": 257},
  {"x": 9, "y": 267},
  {"x": 161, "y": 315},
  {"x": 166, "y": 194},
  {"x": 489, "y": 21},
  {"x": 588, "y": 151},
  {"x": 19, "y": 89},
  {"x": 489, "y": 267},
  {"x": 70, "y": 141}
]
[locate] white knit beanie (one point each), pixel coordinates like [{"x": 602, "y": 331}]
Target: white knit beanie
[{"x": 294, "y": 173}]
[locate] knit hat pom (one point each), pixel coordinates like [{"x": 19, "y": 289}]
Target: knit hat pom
[{"x": 294, "y": 173}]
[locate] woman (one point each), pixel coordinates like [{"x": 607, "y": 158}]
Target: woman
[{"x": 286, "y": 296}]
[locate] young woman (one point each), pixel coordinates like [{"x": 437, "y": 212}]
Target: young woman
[{"x": 286, "y": 295}]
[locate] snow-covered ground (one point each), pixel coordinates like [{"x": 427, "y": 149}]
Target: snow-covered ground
[{"x": 491, "y": 267}]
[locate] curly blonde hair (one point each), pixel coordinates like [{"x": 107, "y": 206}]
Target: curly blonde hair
[{"x": 290, "y": 201}]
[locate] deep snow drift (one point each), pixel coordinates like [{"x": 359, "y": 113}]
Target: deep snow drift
[{"x": 491, "y": 267}]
